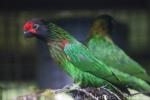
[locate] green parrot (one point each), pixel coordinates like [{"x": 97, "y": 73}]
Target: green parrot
[
  {"x": 77, "y": 60},
  {"x": 104, "y": 49}
]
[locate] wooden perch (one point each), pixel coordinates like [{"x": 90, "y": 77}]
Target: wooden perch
[{"x": 89, "y": 93}]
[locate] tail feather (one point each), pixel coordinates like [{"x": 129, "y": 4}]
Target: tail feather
[
  {"x": 142, "y": 86},
  {"x": 132, "y": 81},
  {"x": 142, "y": 75},
  {"x": 146, "y": 78}
]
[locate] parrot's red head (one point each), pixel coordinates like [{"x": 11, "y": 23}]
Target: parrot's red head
[{"x": 35, "y": 28}]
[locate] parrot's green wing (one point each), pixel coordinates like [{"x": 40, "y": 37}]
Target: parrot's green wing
[
  {"x": 86, "y": 79},
  {"x": 83, "y": 59},
  {"x": 80, "y": 56},
  {"x": 113, "y": 56}
]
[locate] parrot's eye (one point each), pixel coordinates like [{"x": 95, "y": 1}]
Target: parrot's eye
[{"x": 35, "y": 26}]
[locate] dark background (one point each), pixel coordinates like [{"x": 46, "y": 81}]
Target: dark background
[
  {"x": 28, "y": 60},
  {"x": 73, "y": 4}
]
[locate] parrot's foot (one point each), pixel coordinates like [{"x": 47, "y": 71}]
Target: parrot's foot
[
  {"x": 88, "y": 94},
  {"x": 72, "y": 86},
  {"x": 75, "y": 87},
  {"x": 111, "y": 92},
  {"x": 121, "y": 94},
  {"x": 68, "y": 88},
  {"x": 104, "y": 86}
]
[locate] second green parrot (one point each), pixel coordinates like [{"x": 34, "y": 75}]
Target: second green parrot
[{"x": 102, "y": 46}]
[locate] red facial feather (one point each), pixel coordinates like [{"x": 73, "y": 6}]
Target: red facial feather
[{"x": 28, "y": 26}]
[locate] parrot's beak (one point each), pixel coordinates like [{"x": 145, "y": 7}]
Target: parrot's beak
[{"x": 27, "y": 34}]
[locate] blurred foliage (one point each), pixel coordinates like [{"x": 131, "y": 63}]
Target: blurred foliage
[{"x": 11, "y": 90}]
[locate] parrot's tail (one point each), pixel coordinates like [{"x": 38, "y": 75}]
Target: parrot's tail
[
  {"x": 141, "y": 86},
  {"x": 147, "y": 78},
  {"x": 133, "y": 82}
]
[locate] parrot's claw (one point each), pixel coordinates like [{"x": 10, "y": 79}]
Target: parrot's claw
[
  {"x": 112, "y": 93},
  {"x": 72, "y": 86},
  {"x": 88, "y": 94},
  {"x": 68, "y": 88},
  {"x": 104, "y": 86}
]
